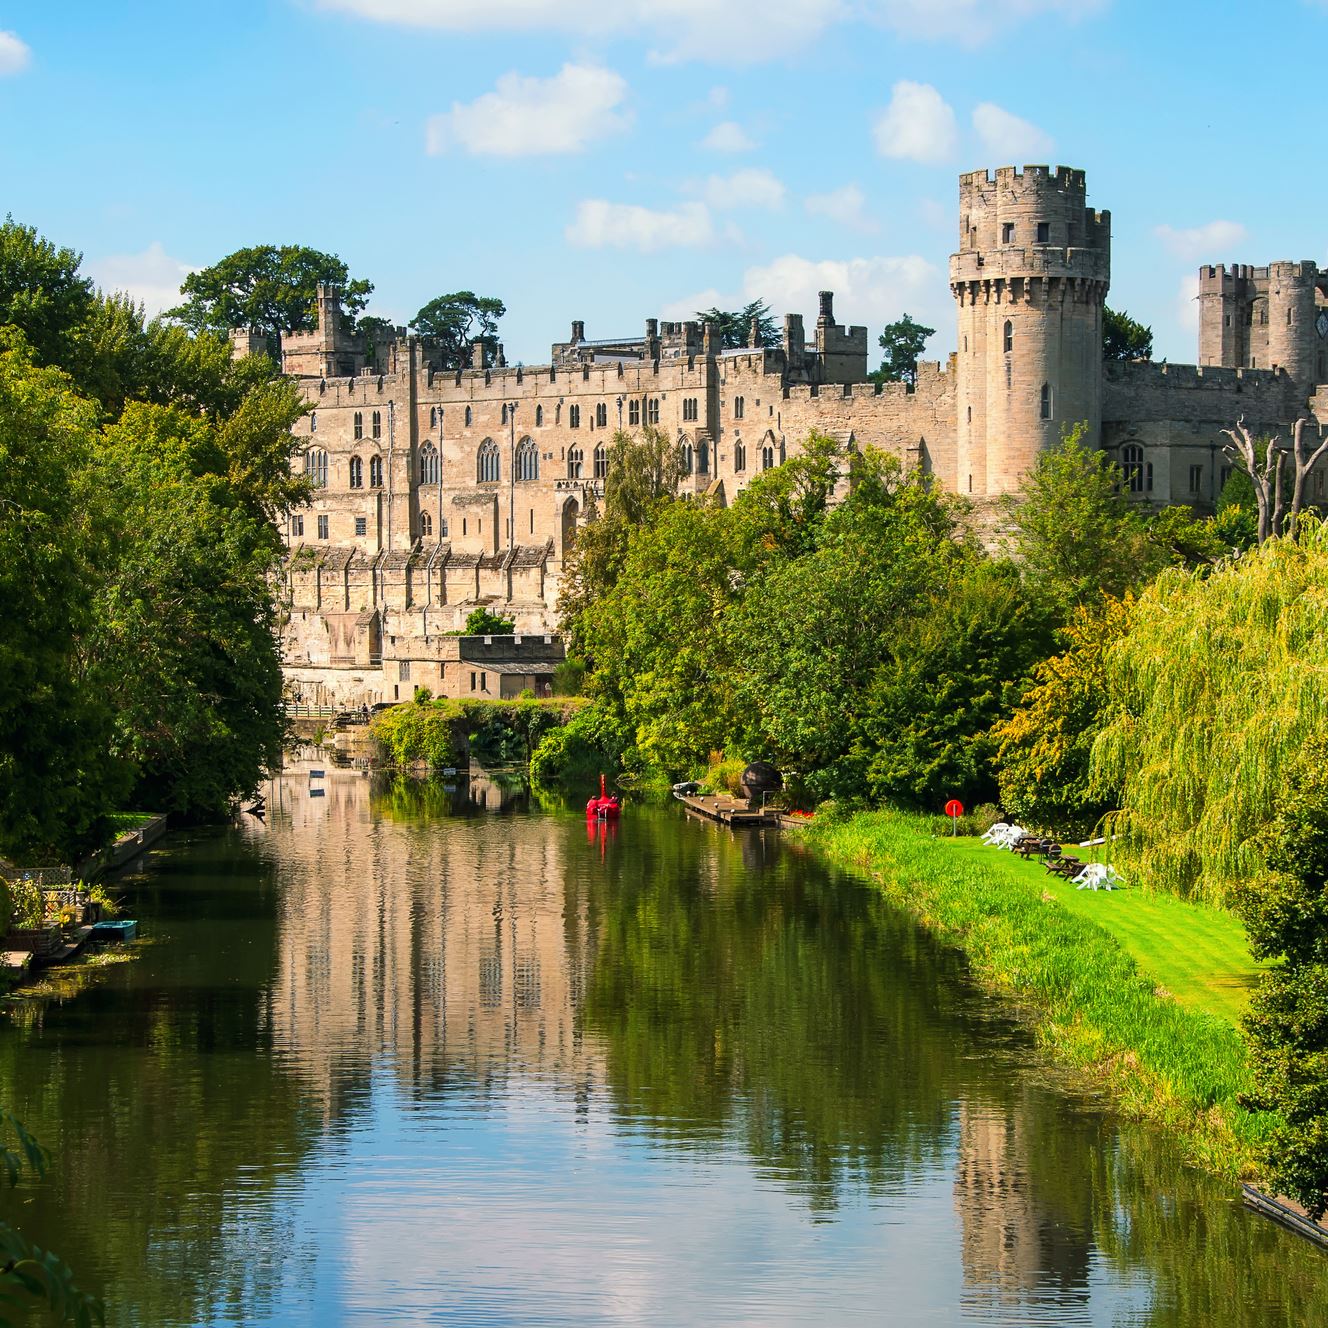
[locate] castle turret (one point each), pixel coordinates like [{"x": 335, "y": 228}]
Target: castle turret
[
  {"x": 1292, "y": 339},
  {"x": 1030, "y": 280}
]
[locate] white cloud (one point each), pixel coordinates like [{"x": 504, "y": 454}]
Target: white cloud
[
  {"x": 734, "y": 32},
  {"x": 971, "y": 22},
  {"x": 525, "y": 117},
  {"x": 867, "y": 290},
  {"x": 727, "y": 136},
  {"x": 1008, "y": 137},
  {"x": 918, "y": 125},
  {"x": 847, "y": 206},
  {"x": 686, "y": 309},
  {"x": 754, "y": 187},
  {"x": 15, "y": 54},
  {"x": 1187, "y": 302},
  {"x": 603, "y": 225},
  {"x": 1200, "y": 242},
  {"x": 152, "y": 278}
]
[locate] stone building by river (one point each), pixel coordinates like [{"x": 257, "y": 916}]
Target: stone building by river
[{"x": 439, "y": 490}]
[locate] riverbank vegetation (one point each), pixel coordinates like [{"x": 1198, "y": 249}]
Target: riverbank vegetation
[
  {"x": 141, "y": 470},
  {"x": 1111, "y": 668}
]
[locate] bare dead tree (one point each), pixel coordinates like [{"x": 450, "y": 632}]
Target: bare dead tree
[{"x": 1269, "y": 473}]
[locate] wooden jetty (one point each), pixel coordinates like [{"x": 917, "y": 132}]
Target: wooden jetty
[
  {"x": 1286, "y": 1213},
  {"x": 735, "y": 812}
]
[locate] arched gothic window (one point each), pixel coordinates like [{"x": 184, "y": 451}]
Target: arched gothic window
[
  {"x": 377, "y": 424},
  {"x": 470, "y": 417},
  {"x": 739, "y": 457},
  {"x": 315, "y": 467},
  {"x": 703, "y": 458},
  {"x": 429, "y": 468},
  {"x": 433, "y": 417},
  {"x": 313, "y": 421},
  {"x": 488, "y": 469},
  {"x": 767, "y": 457},
  {"x": 359, "y": 424},
  {"x": 539, "y": 417},
  {"x": 688, "y": 458},
  {"x": 1009, "y": 336},
  {"x": 527, "y": 460},
  {"x": 601, "y": 461},
  {"x": 504, "y": 417},
  {"x": 356, "y": 473},
  {"x": 375, "y": 472},
  {"x": 1137, "y": 474},
  {"x": 426, "y": 524},
  {"x": 1045, "y": 405},
  {"x": 602, "y": 416},
  {"x": 575, "y": 463}
]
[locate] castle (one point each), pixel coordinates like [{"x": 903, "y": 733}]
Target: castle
[{"x": 440, "y": 490}]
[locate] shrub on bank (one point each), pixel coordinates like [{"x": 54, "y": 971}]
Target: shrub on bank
[{"x": 444, "y": 732}]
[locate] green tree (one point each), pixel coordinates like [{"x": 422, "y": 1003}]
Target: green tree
[
  {"x": 454, "y": 322},
  {"x": 1075, "y": 532},
  {"x": 782, "y": 511},
  {"x": 271, "y": 288},
  {"x": 1044, "y": 747},
  {"x": 483, "y": 622},
  {"x": 735, "y": 326},
  {"x": 42, "y": 294},
  {"x": 902, "y": 343},
  {"x": 1123, "y": 338}
]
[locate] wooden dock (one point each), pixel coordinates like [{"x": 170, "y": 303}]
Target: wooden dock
[
  {"x": 735, "y": 812},
  {"x": 1286, "y": 1213}
]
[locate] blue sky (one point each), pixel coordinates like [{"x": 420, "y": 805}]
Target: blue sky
[{"x": 613, "y": 162}]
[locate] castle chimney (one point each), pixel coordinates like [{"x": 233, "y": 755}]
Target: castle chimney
[
  {"x": 578, "y": 331},
  {"x": 502, "y": 357},
  {"x": 477, "y": 353},
  {"x": 754, "y": 333},
  {"x": 827, "y": 314},
  {"x": 709, "y": 341}
]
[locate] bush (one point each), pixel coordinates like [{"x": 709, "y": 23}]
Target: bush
[
  {"x": 583, "y": 748},
  {"x": 569, "y": 677},
  {"x": 483, "y": 623}
]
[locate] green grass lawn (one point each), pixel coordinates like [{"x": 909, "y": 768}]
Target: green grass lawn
[{"x": 1199, "y": 954}]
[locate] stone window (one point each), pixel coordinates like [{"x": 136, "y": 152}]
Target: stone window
[
  {"x": 767, "y": 457},
  {"x": 1137, "y": 475},
  {"x": 601, "y": 461},
  {"x": 1009, "y": 336},
  {"x": 970, "y": 415},
  {"x": 574, "y": 417},
  {"x": 575, "y": 463},
  {"x": 361, "y": 525},
  {"x": 359, "y": 424},
  {"x": 687, "y": 457},
  {"x": 739, "y": 405},
  {"x": 739, "y": 457},
  {"x": 1196, "y": 479},
  {"x": 504, "y": 413},
  {"x": 426, "y": 524},
  {"x": 375, "y": 472},
  {"x": 313, "y": 421},
  {"x": 322, "y": 526},
  {"x": 1044, "y": 406},
  {"x": 703, "y": 458},
  {"x": 470, "y": 417},
  {"x": 652, "y": 410},
  {"x": 297, "y": 525},
  {"x": 1007, "y": 232},
  {"x": 315, "y": 467},
  {"x": 356, "y": 473},
  {"x": 689, "y": 409},
  {"x": 433, "y": 417},
  {"x": 634, "y": 413},
  {"x": 1044, "y": 232},
  {"x": 527, "y": 460},
  {"x": 403, "y": 670},
  {"x": 429, "y": 466},
  {"x": 378, "y": 424},
  {"x": 539, "y": 417},
  {"x": 602, "y": 415},
  {"x": 488, "y": 466}
]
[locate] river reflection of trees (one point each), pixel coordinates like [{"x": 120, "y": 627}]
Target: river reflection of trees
[{"x": 724, "y": 993}]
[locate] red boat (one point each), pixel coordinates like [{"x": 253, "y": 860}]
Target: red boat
[{"x": 603, "y": 808}]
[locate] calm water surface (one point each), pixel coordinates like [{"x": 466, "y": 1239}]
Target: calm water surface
[{"x": 391, "y": 1060}]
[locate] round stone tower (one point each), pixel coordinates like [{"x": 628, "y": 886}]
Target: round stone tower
[
  {"x": 1292, "y": 339},
  {"x": 1030, "y": 279}
]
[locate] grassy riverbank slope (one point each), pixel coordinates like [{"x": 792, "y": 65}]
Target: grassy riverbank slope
[{"x": 1138, "y": 993}]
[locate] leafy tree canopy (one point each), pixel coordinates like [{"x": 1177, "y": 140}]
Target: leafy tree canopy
[
  {"x": 271, "y": 288},
  {"x": 481, "y": 622},
  {"x": 735, "y": 326},
  {"x": 902, "y": 342},
  {"x": 454, "y": 322},
  {"x": 42, "y": 293},
  {"x": 1123, "y": 338}
]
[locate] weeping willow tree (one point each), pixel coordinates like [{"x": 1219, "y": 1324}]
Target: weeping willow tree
[{"x": 1222, "y": 679}]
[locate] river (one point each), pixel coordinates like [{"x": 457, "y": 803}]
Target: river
[{"x": 397, "y": 1056}]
